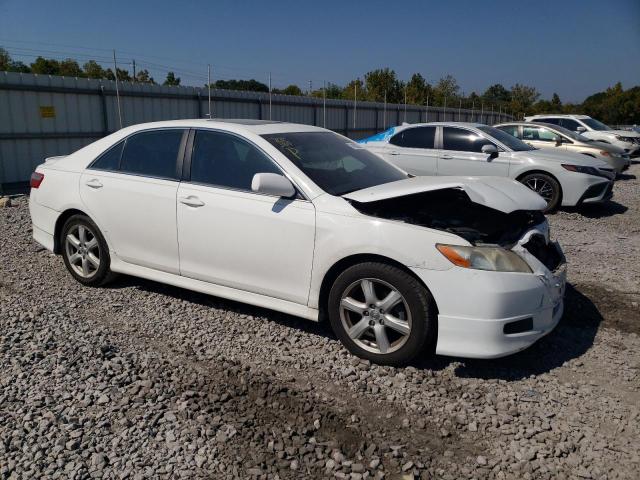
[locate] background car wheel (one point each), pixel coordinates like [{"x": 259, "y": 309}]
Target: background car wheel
[
  {"x": 85, "y": 251},
  {"x": 381, "y": 313},
  {"x": 546, "y": 186}
]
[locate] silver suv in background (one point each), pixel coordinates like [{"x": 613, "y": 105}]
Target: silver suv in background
[
  {"x": 554, "y": 137},
  {"x": 593, "y": 129}
]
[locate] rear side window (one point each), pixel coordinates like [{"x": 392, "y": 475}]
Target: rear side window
[
  {"x": 227, "y": 161},
  {"x": 538, "y": 133},
  {"x": 418, "y": 137},
  {"x": 152, "y": 154},
  {"x": 510, "y": 129},
  {"x": 109, "y": 160},
  {"x": 463, "y": 140}
]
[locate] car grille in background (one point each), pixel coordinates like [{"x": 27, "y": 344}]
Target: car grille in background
[{"x": 547, "y": 253}]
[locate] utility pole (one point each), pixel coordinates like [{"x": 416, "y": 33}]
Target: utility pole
[
  {"x": 310, "y": 88},
  {"x": 492, "y": 113},
  {"x": 426, "y": 113},
  {"x": 115, "y": 72},
  {"x": 482, "y": 112},
  {"x": 209, "y": 87},
  {"x": 324, "y": 103},
  {"x": 384, "y": 111},
  {"x": 460, "y": 109},
  {"x": 269, "y": 95},
  {"x": 355, "y": 102},
  {"x": 473, "y": 106},
  {"x": 445, "y": 108},
  {"x": 134, "y": 69},
  {"x": 405, "y": 104}
]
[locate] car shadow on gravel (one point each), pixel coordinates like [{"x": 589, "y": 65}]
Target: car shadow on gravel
[
  {"x": 315, "y": 328},
  {"x": 625, "y": 176},
  {"x": 598, "y": 210},
  {"x": 573, "y": 336}
]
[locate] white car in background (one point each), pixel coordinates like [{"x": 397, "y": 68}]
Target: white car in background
[
  {"x": 305, "y": 221},
  {"x": 455, "y": 148},
  {"x": 591, "y": 128},
  {"x": 554, "y": 137}
]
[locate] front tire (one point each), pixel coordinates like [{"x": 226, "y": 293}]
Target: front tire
[
  {"x": 381, "y": 313},
  {"x": 546, "y": 186},
  {"x": 85, "y": 251}
]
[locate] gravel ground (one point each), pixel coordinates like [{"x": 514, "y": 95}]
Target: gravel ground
[{"x": 141, "y": 380}]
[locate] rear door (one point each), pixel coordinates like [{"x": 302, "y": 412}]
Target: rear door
[
  {"x": 413, "y": 150},
  {"x": 461, "y": 154},
  {"x": 130, "y": 191}
]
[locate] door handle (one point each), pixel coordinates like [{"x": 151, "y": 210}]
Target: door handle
[
  {"x": 394, "y": 153},
  {"x": 446, "y": 157},
  {"x": 94, "y": 183},
  {"x": 191, "y": 201}
]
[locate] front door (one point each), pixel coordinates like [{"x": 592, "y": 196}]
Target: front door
[
  {"x": 232, "y": 236},
  {"x": 461, "y": 154}
]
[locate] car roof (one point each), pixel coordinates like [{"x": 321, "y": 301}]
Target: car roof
[
  {"x": 445, "y": 124},
  {"x": 259, "y": 127},
  {"x": 558, "y": 115},
  {"x": 527, "y": 124}
]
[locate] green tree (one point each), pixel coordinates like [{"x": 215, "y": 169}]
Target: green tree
[
  {"x": 70, "y": 68},
  {"x": 522, "y": 98},
  {"x": 353, "y": 87},
  {"x": 556, "y": 103},
  {"x": 93, "y": 70},
  {"x": 46, "y": 66},
  {"x": 243, "y": 85},
  {"x": 292, "y": 90},
  {"x": 143, "y": 76},
  {"x": 123, "y": 75},
  {"x": 377, "y": 82},
  {"x": 417, "y": 90},
  {"x": 171, "y": 80},
  {"x": 332, "y": 91},
  {"x": 5, "y": 60},
  {"x": 447, "y": 87},
  {"x": 497, "y": 94}
]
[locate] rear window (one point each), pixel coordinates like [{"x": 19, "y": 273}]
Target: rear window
[{"x": 109, "y": 160}]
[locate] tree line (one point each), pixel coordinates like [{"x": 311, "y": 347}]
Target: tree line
[{"x": 615, "y": 105}]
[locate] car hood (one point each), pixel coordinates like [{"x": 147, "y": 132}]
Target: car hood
[
  {"x": 574, "y": 158},
  {"x": 607, "y": 147},
  {"x": 498, "y": 193},
  {"x": 622, "y": 133}
]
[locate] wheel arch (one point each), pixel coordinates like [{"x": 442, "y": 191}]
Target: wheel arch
[
  {"x": 543, "y": 172},
  {"x": 341, "y": 265},
  {"x": 62, "y": 218}
]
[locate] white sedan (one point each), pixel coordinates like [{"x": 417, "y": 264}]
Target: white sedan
[
  {"x": 454, "y": 148},
  {"x": 304, "y": 221}
]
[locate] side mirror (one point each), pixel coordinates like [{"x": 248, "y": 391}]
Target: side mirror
[
  {"x": 272, "y": 184},
  {"x": 558, "y": 140},
  {"x": 490, "y": 150},
  {"x": 581, "y": 129}
]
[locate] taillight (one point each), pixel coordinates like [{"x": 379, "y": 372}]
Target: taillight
[{"x": 36, "y": 179}]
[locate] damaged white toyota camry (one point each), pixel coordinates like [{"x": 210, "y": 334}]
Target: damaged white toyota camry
[{"x": 304, "y": 221}]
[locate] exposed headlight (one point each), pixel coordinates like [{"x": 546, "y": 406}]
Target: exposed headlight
[
  {"x": 581, "y": 169},
  {"x": 624, "y": 139},
  {"x": 494, "y": 259}
]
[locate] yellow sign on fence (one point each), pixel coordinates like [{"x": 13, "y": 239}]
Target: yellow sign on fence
[{"x": 47, "y": 111}]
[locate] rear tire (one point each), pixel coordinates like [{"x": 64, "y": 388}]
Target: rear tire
[
  {"x": 85, "y": 251},
  {"x": 381, "y": 313},
  {"x": 546, "y": 186}
]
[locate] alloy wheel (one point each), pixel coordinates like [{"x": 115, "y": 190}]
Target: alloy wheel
[
  {"x": 375, "y": 315},
  {"x": 541, "y": 187},
  {"x": 82, "y": 250}
]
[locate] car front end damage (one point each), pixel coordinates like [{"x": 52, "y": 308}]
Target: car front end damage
[{"x": 489, "y": 305}]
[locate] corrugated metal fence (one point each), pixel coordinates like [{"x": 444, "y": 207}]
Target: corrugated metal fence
[{"x": 43, "y": 116}]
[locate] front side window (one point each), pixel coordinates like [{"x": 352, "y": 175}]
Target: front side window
[
  {"x": 109, "y": 160},
  {"x": 512, "y": 143},
  {"x": 334, "y": 163},
  {"x": 224, "y": 160},
  {"x": 463, "y": 140},
  {"x": 417, "y": 137},
  {"x": 152, "y": 154},
  {"x": 538, "y": 134},
  {"x": 570, "y": 124}
]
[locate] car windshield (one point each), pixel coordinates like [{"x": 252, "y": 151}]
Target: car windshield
[
  {"x": 567, "y": 132},
  {"x": 336, "y": 164},
  {"x": 595, "y": 124},
  {"x": 511, "y": 142}
]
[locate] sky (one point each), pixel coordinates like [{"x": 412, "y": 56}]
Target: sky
[{"x": 572, "y": 47}]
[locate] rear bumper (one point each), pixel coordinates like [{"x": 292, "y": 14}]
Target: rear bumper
[{"x": 43, "y": 220}]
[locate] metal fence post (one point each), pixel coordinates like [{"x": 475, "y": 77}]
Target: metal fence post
[
  {"x": 105, "y": 116},
  {"x": 346, "y": 120}
]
